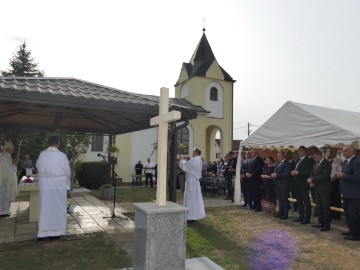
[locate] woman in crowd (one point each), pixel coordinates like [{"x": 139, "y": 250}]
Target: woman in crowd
[{"x": 268, "y": 192}]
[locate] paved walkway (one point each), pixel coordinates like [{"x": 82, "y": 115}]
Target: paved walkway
[{"x": 87, "y": 216}]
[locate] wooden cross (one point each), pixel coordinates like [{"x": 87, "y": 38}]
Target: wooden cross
[{"x": 163, "y": 119}]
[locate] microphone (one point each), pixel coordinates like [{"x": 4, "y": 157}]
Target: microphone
[{"x": 100, "y": 155}]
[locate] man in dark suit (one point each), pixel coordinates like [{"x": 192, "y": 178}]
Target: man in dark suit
[
  {"x": 303, "y": 166},
  {"x": 281, "y": 175},
  {"x": 254, "y": 175},
  {"x": 320, "y": 178},
  {"x": 232, "y": 171},
  {"x": 244, "y": 181},
  {"x": 310, "y": 151},
  {"x": 350, "y": 189}
]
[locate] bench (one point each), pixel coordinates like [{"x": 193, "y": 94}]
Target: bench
[
  {"x": 332, "y": 208},
  {"x": 133, "y": 179}
]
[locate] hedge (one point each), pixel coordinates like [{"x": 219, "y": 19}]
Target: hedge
[{"x": 92, "y": 175}]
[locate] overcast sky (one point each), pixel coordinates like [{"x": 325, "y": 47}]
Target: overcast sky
[{"x": 307, "y": 51}]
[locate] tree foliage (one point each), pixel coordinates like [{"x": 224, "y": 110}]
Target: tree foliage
[
  {"x": 23, "y": 64},
  {"x": 73, "y": 145}
]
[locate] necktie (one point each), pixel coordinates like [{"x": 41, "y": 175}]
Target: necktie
[
  {"x": 298, "y": 163},
  {"x": 345, "y": 163}
]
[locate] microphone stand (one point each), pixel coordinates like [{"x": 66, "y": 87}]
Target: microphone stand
[{"x": 112, "y": 163}]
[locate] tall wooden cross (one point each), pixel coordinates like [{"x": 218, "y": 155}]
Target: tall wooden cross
[{"x": 164, "y": 118}]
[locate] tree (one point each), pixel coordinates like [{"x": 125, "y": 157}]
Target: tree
[
  {"x": 74, "y": 145},
  {"x": 22, "y": 64}
]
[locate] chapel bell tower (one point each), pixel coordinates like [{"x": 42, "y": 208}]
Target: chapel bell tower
[{"x": 205, "y": 83}]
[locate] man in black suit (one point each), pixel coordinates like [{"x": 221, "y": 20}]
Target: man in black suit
[
  {"x": 320, "y": 178},
  {"x": 244, "y": 181},
  {"x": 232, "y": 172},
  {"x": 350, "y": 189},
  {"x": 303, "y": 166},
  {"x": 281, "y": 175},
  {"x": 254, "y": 175},
  {"x": 310, "y": 151}
]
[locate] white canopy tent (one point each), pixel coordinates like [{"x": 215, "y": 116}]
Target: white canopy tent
[{"x": 296, "y": 124}]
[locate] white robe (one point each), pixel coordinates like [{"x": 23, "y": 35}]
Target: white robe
[
  {"x": 54, "y": 181},
  {"x": 8, "y": 182},
  {"x": 192, "y": 196}
]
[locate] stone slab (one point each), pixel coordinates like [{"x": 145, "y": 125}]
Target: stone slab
[
  {"x": 80, "y": 190},
  {"x": 160, "y": 236},
  {"x": 202, "y": 263}
]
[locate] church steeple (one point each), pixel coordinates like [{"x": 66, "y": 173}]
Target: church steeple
[{"x": 202, "y": 59}]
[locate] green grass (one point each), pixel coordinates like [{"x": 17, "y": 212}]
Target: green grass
[
  {"x": 204, "y": 239},
  {"x": 23, "y": 196},
  {"x": 134, "y": 195},
  {"x": 92, "y": 251}
]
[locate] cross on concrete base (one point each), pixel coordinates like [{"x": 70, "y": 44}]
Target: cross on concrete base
[{"x": 164, "y": 118}]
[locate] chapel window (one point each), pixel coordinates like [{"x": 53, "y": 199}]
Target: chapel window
[
  {"x": 97, "y": 143},
  {"x": 213, "y": 94},
  {"x": 183, "y": 138}
]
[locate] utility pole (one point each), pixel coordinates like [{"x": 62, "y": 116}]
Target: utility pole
[{"x": 249, "y": 129}]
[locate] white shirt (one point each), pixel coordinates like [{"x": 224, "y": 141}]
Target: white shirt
[
  {"x": 149, "y": 165},
  {"x": 335, "y": 166}
]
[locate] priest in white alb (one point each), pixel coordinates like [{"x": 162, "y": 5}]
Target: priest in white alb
[
  {"x": 192, "y": 196},
  {"x": 54, "y": 181},
  {"x": 8, "y": 181}
]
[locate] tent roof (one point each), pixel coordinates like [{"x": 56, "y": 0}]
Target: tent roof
[
  {"x": 73, "y": 105},
  {"x": 296, "y": 124}
]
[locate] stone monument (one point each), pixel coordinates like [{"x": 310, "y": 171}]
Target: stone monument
[{"x": 160, "y": 229}]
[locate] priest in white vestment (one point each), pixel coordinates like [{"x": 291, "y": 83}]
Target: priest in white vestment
[
  {"x": 192, "y": 196},
  {"x": 54, "y": 181},
  {"x": 8, "y": 181}
]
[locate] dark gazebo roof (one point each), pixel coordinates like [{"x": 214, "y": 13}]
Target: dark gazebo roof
[
  {"x": 73, "y": 105},
  {"x": 202, "y": 59}
]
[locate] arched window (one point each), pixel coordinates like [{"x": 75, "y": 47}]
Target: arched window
[
  {"x": 213, "y": 94},
  {"x": 183, "y": 140}
]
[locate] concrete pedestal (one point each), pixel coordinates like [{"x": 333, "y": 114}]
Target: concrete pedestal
[
  {"x": 34, "y": 200},
  {"x": 160, "y": 236}
]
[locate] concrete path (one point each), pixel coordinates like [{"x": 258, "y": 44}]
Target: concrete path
[{"x": 87, "y": 216}]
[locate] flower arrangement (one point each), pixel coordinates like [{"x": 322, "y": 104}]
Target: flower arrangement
[{"x": 113, "y": 150}]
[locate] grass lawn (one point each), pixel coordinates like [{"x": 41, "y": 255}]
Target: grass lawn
[
  {"x": 204, "y": 238},
  {"x": 238, "y": 239},
  {"x": 23, "y": 196},
  {"x": 91, "y": 251},
  {"x": 132, "y": 195}
]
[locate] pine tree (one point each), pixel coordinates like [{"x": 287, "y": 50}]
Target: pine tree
[{"x": 22, "y": 64}]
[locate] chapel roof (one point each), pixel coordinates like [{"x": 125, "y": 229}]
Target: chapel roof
[{"x": 202, "y": 59}]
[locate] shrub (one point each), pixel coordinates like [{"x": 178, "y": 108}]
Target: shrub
[{"x": 92, "y": 175}]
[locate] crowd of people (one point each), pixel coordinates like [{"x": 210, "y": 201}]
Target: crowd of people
[{"x": 327, "y": 181}]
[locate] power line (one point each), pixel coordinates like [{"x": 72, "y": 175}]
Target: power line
[{"x": 240, "y": 127}]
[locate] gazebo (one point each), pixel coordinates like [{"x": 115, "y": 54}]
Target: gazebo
[{"x": 77, "y": 106}]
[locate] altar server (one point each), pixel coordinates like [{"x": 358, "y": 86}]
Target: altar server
[
  {"x": 192, "y": 196},
  {"x": 54, "y": 181}
]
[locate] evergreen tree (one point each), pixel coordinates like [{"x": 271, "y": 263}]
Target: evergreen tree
[{"x": 22, "y": 64}]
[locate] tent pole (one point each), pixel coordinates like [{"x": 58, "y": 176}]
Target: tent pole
[{"x": 237, "y": 196}]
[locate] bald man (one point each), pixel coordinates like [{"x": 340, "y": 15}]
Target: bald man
[{"x": 350, "y": 189}]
